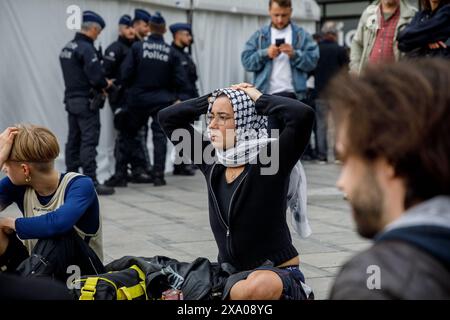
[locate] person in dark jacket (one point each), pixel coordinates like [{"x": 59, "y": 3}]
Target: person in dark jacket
[
  {"x": 333, "y": 58},
  {"x": 392, "y": 138},
  {"x": 142, "y": 30},
  {"x": 248, "y": 191},
  {"x": 153, "y": 75},
  {"x": 125, "y": 150},
  {"x": 84, "y": 79},
  {"x": 428, "y": 34},
  {"x": 182, "y": 39}
]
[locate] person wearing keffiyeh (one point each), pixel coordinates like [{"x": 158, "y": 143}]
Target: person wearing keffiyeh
[
  {"x": 252, "y": 135},
  {"x": 247, "y": 205}
]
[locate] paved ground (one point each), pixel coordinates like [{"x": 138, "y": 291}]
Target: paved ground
[
  {"x": 145, "y": 221},
  {"x": 173, "y": 221}
]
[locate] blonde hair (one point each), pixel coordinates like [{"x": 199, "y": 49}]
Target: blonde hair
[{"x": 35, "y": 144}]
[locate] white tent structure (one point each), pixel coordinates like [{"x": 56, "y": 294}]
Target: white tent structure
[{"x": 34, "y": 31}]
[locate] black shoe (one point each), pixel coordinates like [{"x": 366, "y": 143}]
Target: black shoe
[
  {"x": 307, "y": 157},
  {"x": 183, "y": 170},
  {"x": 158, "y": 180},
  {"x": 116, "y": 181},
  {"x": 141, "y": 178},
  {"x": 103, "y": 190}
]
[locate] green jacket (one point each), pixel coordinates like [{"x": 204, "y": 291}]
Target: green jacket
[{"x": 368, "y": 25}]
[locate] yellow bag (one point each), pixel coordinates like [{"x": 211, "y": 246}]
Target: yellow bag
[{"x": 128, "y": 284}]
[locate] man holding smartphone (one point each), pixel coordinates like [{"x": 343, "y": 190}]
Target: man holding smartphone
[{"x": 280, "y": 55}]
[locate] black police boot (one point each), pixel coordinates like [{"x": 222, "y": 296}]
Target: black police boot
[
  {"x": 177, "y": 169},
  {"x": 103, "y": 190},
  {"x": 116, "y": 181},
  {"x": 141, "y": 177},
  {"x": 183, "y": 170},
  {"x": 129, "y": 177},
  {"x": 158, "y": 179}
]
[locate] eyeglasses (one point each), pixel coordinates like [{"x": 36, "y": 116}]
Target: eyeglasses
[{"x": 221, "y": 119}]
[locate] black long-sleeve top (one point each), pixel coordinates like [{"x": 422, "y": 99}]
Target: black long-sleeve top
[{"x": 255, "y": 228}]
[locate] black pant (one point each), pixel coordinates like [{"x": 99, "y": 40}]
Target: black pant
[
  {"x": 321, "y": 129},
  {"x": 143, "y": 137},
  {"x": 52, "y": 257},
  {"x": 84, "y": 134},
  {"x": 141, "y": 117},
  {"x": 127, "y": 150}
]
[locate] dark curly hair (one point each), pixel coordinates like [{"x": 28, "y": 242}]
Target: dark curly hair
[{"x": 400, "y": 112}]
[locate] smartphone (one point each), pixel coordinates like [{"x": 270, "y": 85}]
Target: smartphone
[{"x": 279, "y": 41}]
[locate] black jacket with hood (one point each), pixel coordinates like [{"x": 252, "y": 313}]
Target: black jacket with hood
[
  {"x": 256, "y": 228},
  {"x": 411, "y": 257}
]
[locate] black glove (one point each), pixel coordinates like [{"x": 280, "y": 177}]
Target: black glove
[
  {"x": 114, "y": 93},
  {"x": 98, "y": 101}
]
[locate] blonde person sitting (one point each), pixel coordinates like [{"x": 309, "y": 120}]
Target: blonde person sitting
[{"x": 61, "y": 224}]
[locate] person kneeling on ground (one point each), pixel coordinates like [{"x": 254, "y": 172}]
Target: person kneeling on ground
[
  {"x": 61, "y": 224},
  {"x": 247, "y": 205}
]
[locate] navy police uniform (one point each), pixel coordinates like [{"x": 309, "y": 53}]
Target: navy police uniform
[
  {"x": 153, "y": 74},
  {"x": 142, "y": 136},
  {"x": 83, "y": 75},
  {"x": 190, "y": 90},
  {"x": 125, "y": 150},
  {"x": 187, "y": 92}
]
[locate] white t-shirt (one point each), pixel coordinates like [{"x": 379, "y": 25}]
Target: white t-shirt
[{"x": 281, "y": 76}]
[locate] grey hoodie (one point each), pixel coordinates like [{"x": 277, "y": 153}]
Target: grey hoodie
[{"x": 410, "y": 257}]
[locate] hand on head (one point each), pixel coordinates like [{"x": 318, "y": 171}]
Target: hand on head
[
  {"x": 249, "y": 89},
  {"x": 6, "y": 142}
]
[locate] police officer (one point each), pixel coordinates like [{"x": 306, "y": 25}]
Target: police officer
[
  {"x": 84, "y": 79},
  {"x": 126, "y": 149},
  {"x": 153, "y": 73},
  {"x": 142, "y": 30},
  {"x": 182, "y": 38},
  {"x": 140, "y": 23}
]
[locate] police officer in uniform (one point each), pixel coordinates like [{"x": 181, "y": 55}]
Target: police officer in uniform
[
  {"x": 153, "y": 75},
  {"x": 182, "y": 39},
  {"x": 125, "y": 150},
  {"x": 140, "y": 23},
  {"x": 142, "y": 30},
  {"x": 85, "y": 82}
]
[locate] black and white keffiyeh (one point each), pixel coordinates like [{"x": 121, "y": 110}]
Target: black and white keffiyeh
[
  {"x": 251, "y": 129},
  {"x": 251, "y": 137}
]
